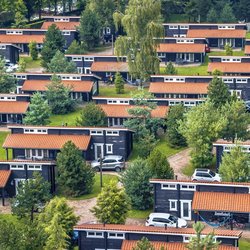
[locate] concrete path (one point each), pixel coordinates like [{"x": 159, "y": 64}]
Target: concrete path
[{"x": 178, "y": 162}]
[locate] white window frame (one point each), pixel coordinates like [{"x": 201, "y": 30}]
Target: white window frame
[
  {"x": 16, "y": 166},
  {"x": 165, "y": 186},
  {"x": 76, "y": 59},
  {"x": 35, "y": 131},
  {"x": 94, "y": 234},
  {"x": 34, "y": 167},
  {"x": 116, "y": 236},
  {"x": 184, "y": 27},
  {"x": 109, "y": 150},
  {"x": 112, "y": 133},
  {"x": 228, "y": 80},
  {"x": 188, "y": 188},
  {"x": 237, "y": 91},
  {"x": 171, "y": 202},
  {"x": 21, "y": 77},
  {"x": 72, "y": 77},
  {"x": 186, "y": 238},
  {"x": 96, "y": 132},
  {"x": 241, "y": 80},
  {"x": 66, "y": 33},
  {"x": 173, "y": 27},
  {"x": 2, "y": 47},
  {"x": 88, "y": 59},
  {"x": 108, "y": 74}
]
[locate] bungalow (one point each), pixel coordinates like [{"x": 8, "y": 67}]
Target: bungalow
[
  {"x": 238, "y": 84},
  {"x": 13, "y": 108},
  {"x": 21, "y": 170},
  {"x": 247, "y": 47},
  {"x": 192, "y": 200},
  {"x": 223, "y": 146},
  {"x": 182, "y": 50},
  {"x": 103, "y": 66},
  {"x": 9, "y": 52},
  {"x": 83, "y": 86},
  {"x": 230, "y": 65},
  {"x": 118, "y": 113},
  {"x": 43, "y": 143},
  {"x": 109, "y": 236},
  {"x": 216, "y": 34}
]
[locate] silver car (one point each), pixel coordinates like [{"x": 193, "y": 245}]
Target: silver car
[{"x": 109, "y": 162}]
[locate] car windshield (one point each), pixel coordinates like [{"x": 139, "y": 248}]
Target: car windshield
[
  {"x": 173, "y": 218},
  {"x": 212, "y": 173}
]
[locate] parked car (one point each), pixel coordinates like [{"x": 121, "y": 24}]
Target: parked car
[
  {"x": 247, "y": 106},
  {"x": 165, "y": 220},
  {"x": 204, "y": 174},
  {"x": 109, "y": 162}
]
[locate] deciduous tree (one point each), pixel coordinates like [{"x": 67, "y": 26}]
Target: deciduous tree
[
  {"x": 228, "y": 49},
  {"x": 92, "y": 115},
  {"x": 39, "y": 111},
  {"x": 142, "y": 23},
  {"x": 235, "y": 165},
  {"x": 136, "y": 183},
  {"x": 60, "y": 64},
  {"x": 22, "y": 65},
  {"x": 112, "y": 205},
  {"x": 75, "y": 177},
  {"x": 212, "y": 16}
]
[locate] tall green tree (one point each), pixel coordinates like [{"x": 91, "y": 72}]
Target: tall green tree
[
  {"x": 212, "y": 16},
  {"x": 89, "y": 28},
  {"x": 136, "y": 183},
  {"x": 228, "y": 49},
  {"x": 112, "y": 205},
  {"x": 170, "y": 69},
  {"x": 33, "y": 50},
  {"x": 58, "y": 97},
  {"x": 174, "y": 116},
  {"x": 237, "y": 120},
  {"x": 60, "y": 64},
  {"x": 67, "y": 219},
  {"x": 8, "y": 82},
  {"x": 30, "y": 196},
  {"x": 20, "y": 13},
  {"x": 77, "y": 48},
  {"x": 201, "y": 127},
  {"x": 119, "y": 83},
  {"x": 202, "y": 243},
  {"x": 74, "y": 175},
  {"x": 235, "y": 165},
  {"x": 22, "y": 65},
  {"x": 142, "y": 23},
  {"x": 159, "y": 165},
  {"x": 92, "y": 115},
  {"x": 227, "y": 14},
  {"x": 53, "y": 42},
  {"x": 39, "y": 111},
  {"x": 242, "y": 10},
  {"x": 143, "y": 244},
  {"x": 218, "y": 92}
]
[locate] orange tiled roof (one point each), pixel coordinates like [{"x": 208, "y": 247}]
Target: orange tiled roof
[
  {"x": 217, "y": 201},
  {"x": 130, "y": 244},
  {"x": 181, "y": 48},
  {"x": 114, "y": 110},
  {"x": 109, "y": 67},
  {"x": 206, "y": 33},
  {"x": 16, "y": 39},
  {"x": 229, "y": 67},
  {"x": 247, "y": 49},
  {"x": 45, "y": 141},
  {"x": 41, "y": 85},
  {"x": 61, "y": 25},
  {"x": 178, "y": 88},
  {"x": 4, "y": 177},
  {"x": 13, "y": 107},
  {"x": 222, "y": 142},
  {"x": 169, "y": 230}
]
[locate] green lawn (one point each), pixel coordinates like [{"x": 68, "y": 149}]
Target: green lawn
[
  {"x": 70, "y": 119},
  {"x": 223, "y": 53},
  {"x": 100, "y": 48},
  {"x": 178, "y": 18},
  {"x": 3, "y": 135},
  {"x": 96, "y": 188},
  {"x": 244, "y": 244},
  {"x": 248, "y": 35},
  {"x": 30, "y": 64},
  {"x": 109, "y": 91},
  {"x": 139, "y": 214},
  {"x": 162, "y": 145}
]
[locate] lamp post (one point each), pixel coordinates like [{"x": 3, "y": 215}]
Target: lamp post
[{"x": 101, "y": 159}]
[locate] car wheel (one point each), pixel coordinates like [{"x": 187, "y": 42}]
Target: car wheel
[
  {"x": 97, "y": 169},
  {"x": 118, "y": 169},
  {"x": 151, "y": 225},
  {"x": 194, "y": 180}
]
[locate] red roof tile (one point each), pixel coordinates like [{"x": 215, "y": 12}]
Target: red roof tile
[
  {"x": 222, "y": 142},
  {"x": 170, "y": 230},
  {"x": 13, "y": 107},
  {"x": 130, "y": 244},
  {"x": 4, "y": 177},
  {"x": 45, "y": 141},
  {"x": 178, "y": 88},
  {"x": 229, "y": 67},
  {"x": 109, "y": 67},
  {"x": 16, "y": 39},
  {"x": 217, "y": 201},
  {"x": 61, "y": 25},
  {"x": 41, "y": 85},
  {"x": 206, "y": 33},
  {"x": 247, "y": 49},
  {"x": 181, "y": 48},
  {"x": 114, "y": 110}
]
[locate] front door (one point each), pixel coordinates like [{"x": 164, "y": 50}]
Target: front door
[
  {"x": 186, "y": 210},
  {"x": 98, "y": 150}
]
